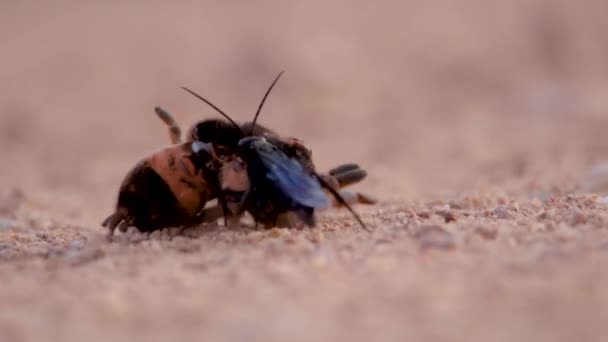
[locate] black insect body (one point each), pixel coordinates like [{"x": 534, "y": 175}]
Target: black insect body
[
  {"x": 281, "y": 184},
  {"x": 281, "y": 177},
  {"x": 234, "y": 180}
]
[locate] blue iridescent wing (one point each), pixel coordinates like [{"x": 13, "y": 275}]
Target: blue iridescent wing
[{"x": 290, "y": 176}]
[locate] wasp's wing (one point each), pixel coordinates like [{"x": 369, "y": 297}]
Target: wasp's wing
[{"x": 292, "y": 178}]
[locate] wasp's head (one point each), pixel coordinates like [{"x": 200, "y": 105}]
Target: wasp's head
[{"x": 216, "y": 131}]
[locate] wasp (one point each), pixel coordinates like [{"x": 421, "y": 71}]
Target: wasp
[
  {"x": 171, "y": 187},
  {"x": 168, "y": 188},
  {"x": 271, "y": 178}
]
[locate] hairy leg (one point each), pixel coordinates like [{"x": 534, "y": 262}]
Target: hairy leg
[{"x": 175, "y": 133}]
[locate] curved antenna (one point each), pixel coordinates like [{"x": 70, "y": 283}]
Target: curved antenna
[
  {"x": 255, "y": 118},
  {"x": 216, "y": 108}
]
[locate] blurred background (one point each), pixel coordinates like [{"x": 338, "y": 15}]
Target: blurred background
[
  {"x": 467, "y": 114},
  {"x": 431, "y": 97}
]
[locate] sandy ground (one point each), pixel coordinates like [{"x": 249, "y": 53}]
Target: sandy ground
[{"x": 478, "y": 124}]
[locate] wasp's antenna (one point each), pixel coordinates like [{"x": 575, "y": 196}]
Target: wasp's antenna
[
  {"x": 341, "y": 199},
  {"x": 255, "y": 118},
  {"x": 216, "y": 108}
]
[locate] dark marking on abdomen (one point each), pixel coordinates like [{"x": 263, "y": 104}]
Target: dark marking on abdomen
[
  {"x": 188, "y": 183},
  {"x": 151, "y": 204},
  {"x": 171, "y": 162}
]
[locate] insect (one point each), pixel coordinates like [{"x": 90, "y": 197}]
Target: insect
[
  {"x": 170, "y": 187},
  {"x": 265, "y": 176}
]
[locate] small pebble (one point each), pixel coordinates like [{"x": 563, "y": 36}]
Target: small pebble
[
  {"x": 317, "y": 237},
  {"x": 84, "y": 256},
  {"x": 502, "y": 212},
  {"x": 577, "y": 217},
  {"x": 76, "y": 245},
  {"x": 155, "y": 235},
  {"x": 435, "y": 237},
  {"x": 537, "y": 227},
  {"x": 447, "y": 215},
  {"x": 275, "y": 233},
  {"x": 536, "y": 203}
]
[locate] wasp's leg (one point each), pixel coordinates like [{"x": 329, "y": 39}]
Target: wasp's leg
[
  {"x": 354, "y": 198},
  {"x": 350, "y": 177},
  {"x": 175, "y": 133},
  {"x": 123, "y": 226},
  {"x": 343, "y": 168},
  {"x": 345, "y": 179},
  {"x": 210, "y": 214},
  {"x": 214, "y": 213},
  {"x": 117, "y": 219},
  {"x": 345, "y": 175}
]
